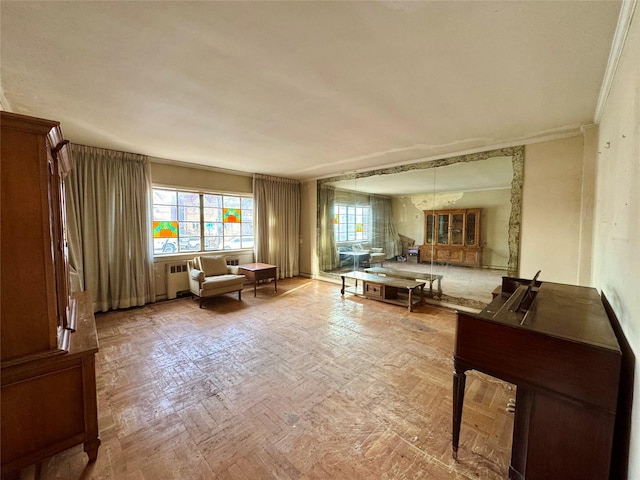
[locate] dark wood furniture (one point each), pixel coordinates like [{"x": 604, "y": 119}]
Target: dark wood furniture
[
  {"x": 452, "y": 236},
  {"x": 398, "y": 291},
  {"x": 427, "y": 277},
  {"x": 413, "y": 254},
  {"x": 48, "y": 337},
  {"x": 260, "y": 271},
  {"x": 561, "y": 352}
]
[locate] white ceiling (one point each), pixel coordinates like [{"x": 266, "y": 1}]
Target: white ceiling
[{"x": 305, "y": 89}]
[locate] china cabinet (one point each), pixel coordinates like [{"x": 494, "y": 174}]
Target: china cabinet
[
  {"x": 49, "y": 337},
  {"x": 452, "y": 237}
]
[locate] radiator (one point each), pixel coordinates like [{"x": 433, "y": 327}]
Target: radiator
[{"x": 177, "y": 279}]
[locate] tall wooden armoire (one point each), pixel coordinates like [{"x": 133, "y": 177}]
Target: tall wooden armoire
[{"x": 48, "y": 336}]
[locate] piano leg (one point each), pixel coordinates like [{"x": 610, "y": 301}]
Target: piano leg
[{"x": 459, "y": 381}]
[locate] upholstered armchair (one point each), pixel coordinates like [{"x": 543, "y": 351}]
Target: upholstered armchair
[
  {"x": 344, "y": 258},
  {"x": 376, "y": 255},
  {"x": 210, "y": 276}
]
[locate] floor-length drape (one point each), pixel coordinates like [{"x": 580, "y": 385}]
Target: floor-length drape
[
  {"x": 327, "y": 254},
  {"x": 277, "y": 223},
  {"x": 108, "y": 217},
  {"x": 383, "y": 230}
]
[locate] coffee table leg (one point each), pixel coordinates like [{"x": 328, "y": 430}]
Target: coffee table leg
[
  {"x": 411, "y": 299},
  {"x": 342, "y": 289},
  {"x": 275, "y": 283}
]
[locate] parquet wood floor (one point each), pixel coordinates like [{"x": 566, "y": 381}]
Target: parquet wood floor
[{"x": 302, "y": 384}]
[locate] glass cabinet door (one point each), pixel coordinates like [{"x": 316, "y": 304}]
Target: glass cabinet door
[
  {"x": 471, "y": 239},
  {"x": 443, "y": 229},
  {"x": 429, "y": 237},
  {"x": 457, "y": 226}
]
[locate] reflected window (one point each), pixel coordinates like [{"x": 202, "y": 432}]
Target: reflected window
[{"x": 351, "y": 223}]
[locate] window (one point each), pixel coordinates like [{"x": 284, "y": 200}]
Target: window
[
  {"x": 351, "y": 223},
  {"x": 187, "y": 221}
]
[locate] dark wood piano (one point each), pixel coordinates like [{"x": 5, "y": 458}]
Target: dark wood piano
[{"x": 556, "y": 344}]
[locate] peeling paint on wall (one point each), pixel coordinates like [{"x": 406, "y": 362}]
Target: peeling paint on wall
[{"x": 438, "y": 201}]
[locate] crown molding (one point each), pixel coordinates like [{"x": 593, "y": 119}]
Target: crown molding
[
  {"x": 624, "y": 22},
  {"x": 540, "y": 137}
]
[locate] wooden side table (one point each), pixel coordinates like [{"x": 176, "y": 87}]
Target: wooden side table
[{"x": 260, "y": 271}]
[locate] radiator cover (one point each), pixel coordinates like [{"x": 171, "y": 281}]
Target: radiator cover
[{"x": 177, "y": 279}]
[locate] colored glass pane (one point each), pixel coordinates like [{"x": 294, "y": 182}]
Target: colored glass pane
[
  {"x": 231, "y": 215},
  {"x": 165, "y": 229}
]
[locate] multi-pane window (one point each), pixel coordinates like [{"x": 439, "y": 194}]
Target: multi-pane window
[
  {"x": 351, "y": 223},
  {"x": 193, "y": 221}
]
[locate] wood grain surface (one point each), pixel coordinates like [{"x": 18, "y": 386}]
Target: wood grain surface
[{"x": 298, "y": 384}]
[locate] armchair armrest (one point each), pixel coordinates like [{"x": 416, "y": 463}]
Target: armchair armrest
[{"x": 196, "y": 274}]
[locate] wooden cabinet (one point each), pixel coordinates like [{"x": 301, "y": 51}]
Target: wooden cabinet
[
  {"x": 452, "y": 236},
  {"x": 47, "y": 354}
]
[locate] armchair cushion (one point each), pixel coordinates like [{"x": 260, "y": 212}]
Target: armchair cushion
[
  {"x": 213, "y": 266},
  {"x": 197, "y": 275},
  {"x": 221, "y": 282}
]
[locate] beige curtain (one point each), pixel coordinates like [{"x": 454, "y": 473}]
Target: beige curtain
[
  {"x": 277, "y": 223},
  {"x": 108, "y": 206},
  {"x": 327, "y": 254},
  {"x": 383, "y": 230}
]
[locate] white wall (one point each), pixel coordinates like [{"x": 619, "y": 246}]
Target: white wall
[
  {"x": 551, "y": 210},
  {"x": 616, "y": 244},
  {"x": 199, "y": 178}
]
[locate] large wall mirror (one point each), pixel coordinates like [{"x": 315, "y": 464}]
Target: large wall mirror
[{"x": 456, "y": 219}]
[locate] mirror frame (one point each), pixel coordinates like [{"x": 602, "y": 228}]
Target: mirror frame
[{"x": 517, "y": 165}]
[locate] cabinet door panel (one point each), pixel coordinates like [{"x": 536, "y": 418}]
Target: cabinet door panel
[
  {"x": 471, "y": 258},
  {"x": 430, "y": 229},
  {"x": 443, "y": 229},
  {"x": 457, "y": 228},
  {"x": 442, "y": 255},
  {"x": 471, "y": 239},
  {"x": 456, "y": 255}
]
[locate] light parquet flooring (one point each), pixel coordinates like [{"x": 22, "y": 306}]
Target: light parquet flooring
[{"x": 302, "y": 384}]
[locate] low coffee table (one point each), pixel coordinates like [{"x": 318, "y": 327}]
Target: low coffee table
[
  {"x": 385, "y": 289},
  {"x": 410, "y": 275},
  {"x": 260, "y": 271}
]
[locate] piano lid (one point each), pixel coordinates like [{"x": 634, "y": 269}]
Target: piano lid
[{"x": 564, "y": 311}]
